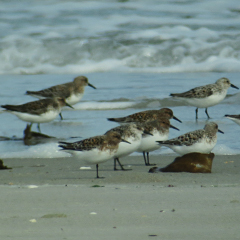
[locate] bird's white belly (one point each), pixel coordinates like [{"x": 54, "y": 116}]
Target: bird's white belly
[
  {"x": 124, "y": 149},
  {"x": 93, "y": 156},
  {"x": 74, "y": 98},
  {"x": 206, "y": 102},
  {"x": 149, "y": 144},
  {"x": 42, "y": 118},
  {"x": 202, "y": 147}
]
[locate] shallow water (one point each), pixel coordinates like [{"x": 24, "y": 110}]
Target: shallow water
[
  {"x": 117, "y": 95},
  {"x": 135, "y": 52}
]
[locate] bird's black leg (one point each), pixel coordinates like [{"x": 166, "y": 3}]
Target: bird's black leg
[
  {"x": 115, "y": 164},
  {"x": 117, "y": 160},
  {"x": 122, "y": 168},
  {"x": 38, "y": 126},
  {"x": 196, "y": 113},
  {"x": 97, "y": 171},
  {"x": 148, "y": 162},
  {"x": 145, "y": 160},
  {"x": 60, "y": 115},
  {"x": 207, "y": 113}
]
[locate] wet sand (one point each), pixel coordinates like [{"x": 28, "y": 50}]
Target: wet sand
[{"x": 54, "y": 199}]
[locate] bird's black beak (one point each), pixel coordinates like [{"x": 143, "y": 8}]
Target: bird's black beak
[
  {"x": 90, "y": 85},
  {"x": 220, "y": 131},
  {"x": 171, "y": 126},
  {"x": 147, "y": 132},
  {"x": 123, "y": 140},
  {"x": 69, "y": 105},
  {"x": 233, "y": 86},
  {"x": 177, "y": 119}
]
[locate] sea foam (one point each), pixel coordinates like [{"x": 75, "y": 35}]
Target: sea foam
[
  {"x": 103, "y": 105},
  {"x": 49, "y": 150},
  {"x": 154, "y": 37}
]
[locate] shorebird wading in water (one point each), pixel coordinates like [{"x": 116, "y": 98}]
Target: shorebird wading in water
[
  {"x": 40, "y": 111},
  {"x": 207, "y": 95},
  {"x": 72, "y": 92}
]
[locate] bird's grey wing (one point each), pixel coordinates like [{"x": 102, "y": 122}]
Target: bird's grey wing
[
  {"x": 62, "y": 90},
  {"x": 186, "y": 139},
  {"x": 35, "y": 107},
  {"x": 83, "y": 145},
  {"x": 198, "y": 92}
]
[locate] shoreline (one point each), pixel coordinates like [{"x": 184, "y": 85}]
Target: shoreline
[{"x": 57, "y": 171}]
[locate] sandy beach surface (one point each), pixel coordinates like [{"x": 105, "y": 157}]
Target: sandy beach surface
[{"x": 44, "y": 198}]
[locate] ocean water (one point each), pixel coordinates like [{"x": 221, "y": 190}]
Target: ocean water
[
  {"x": 135, "y": 52},
  {"x": 59, "y": 37}
]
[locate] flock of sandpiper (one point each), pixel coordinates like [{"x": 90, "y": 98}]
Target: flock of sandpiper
[{"x": 144, "y": 131}]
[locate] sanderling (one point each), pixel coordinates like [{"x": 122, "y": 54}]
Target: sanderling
[
  {"x": 235, "y": 118},
  {"x": 40, "y": 111},
  {"x": 160, "y": 130},
  {"x": 71, "y": 91},
  {"x": 132, "y": 133},
  {"x": 206, "y": 96},
  {"x": 149, "y": 115},
  {"x": 94, "y": 150},
  {"x": 202, "y": 140}
]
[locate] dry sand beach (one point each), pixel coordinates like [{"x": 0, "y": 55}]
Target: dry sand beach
[{"x": 54, "y": 199}]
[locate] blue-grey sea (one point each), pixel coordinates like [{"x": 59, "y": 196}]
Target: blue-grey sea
[{"x": 135, "y": 52}]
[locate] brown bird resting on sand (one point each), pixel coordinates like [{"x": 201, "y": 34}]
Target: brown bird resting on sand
[{"x": 192, "y": 162}]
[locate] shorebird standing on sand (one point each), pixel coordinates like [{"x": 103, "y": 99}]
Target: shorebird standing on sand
[
  {"x": 159, "y": 130},
  {"x": 202, "y": 140},
  {"x": 94, "y": 150},
  {"x": 132, "y": 133}
]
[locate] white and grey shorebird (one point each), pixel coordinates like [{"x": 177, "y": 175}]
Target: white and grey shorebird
[
  {"x": 94, "y": 150},
  {"x": 202, "y": 140},
  {"x": 144, "y": 116},
  {"x": 207, "y": 95},
  {"x": 132, "y": 133},
  {"x": 71, "y": 91},
  {"x": 40, "y": 111},
  {"x": 234, "y": 118},
  {"x": 159, "y": 130}
]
